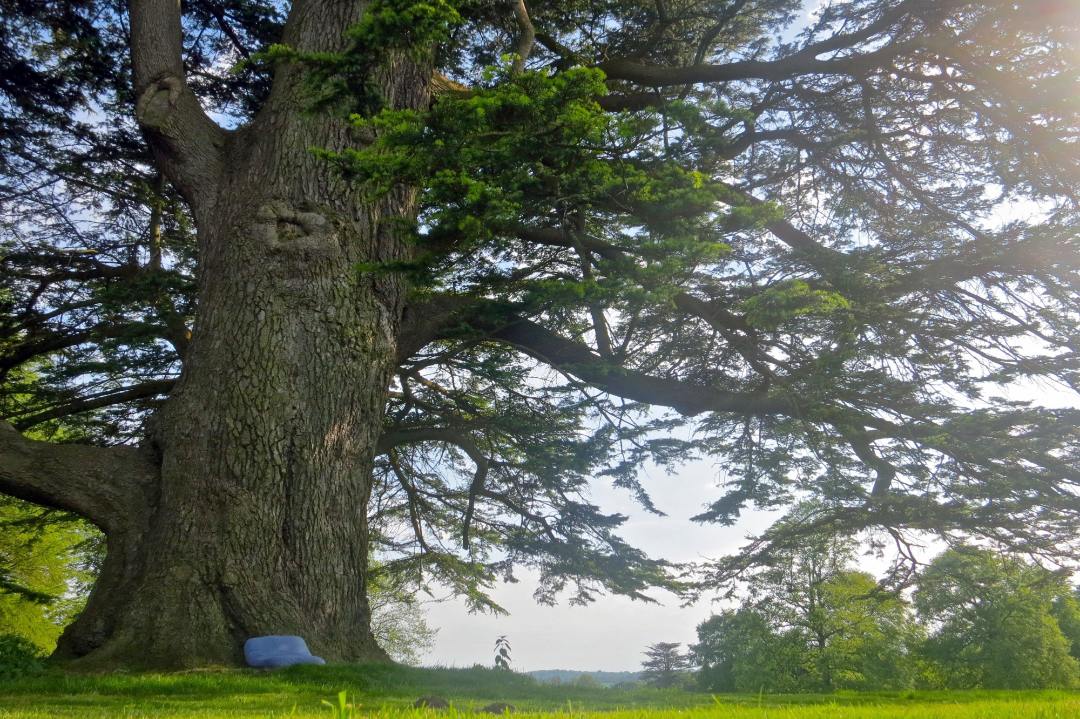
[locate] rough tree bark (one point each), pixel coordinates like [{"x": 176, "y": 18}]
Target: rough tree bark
[{"x": 247, "y": 514}]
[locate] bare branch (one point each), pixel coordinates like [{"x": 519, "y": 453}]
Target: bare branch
[
  {"x": 631, "y": 102},
  {"x": 526, "y": 37},
  {"x": 186, "y": 142}
]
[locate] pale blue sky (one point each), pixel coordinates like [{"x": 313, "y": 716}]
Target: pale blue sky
[{"x": 611, "y": 633}]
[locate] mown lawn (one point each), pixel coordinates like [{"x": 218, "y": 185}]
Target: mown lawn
[{"x": 390, "y": 692}]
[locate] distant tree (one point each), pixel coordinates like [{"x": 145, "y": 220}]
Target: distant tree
[
  {"x": 664, "y": 664},
  {"x": 853, "y": 633},
  {"x": 870, "y": 634},
  {"x": 586, "y": 681},
  {"x": 1066, "y": 611},
  {"x": 502, "y": 652},
  {"x": 739, "y": 651},
  {"x": 994, "y": 624}
]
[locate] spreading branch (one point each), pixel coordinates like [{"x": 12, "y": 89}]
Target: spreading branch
[
  {"x": 104, "y": 484},
  {"x": 578, "y": 360},
  {"x": 857, "y": 64},
  {"x": 394, "y": 438},
  {"x": 144, "y": 390}
]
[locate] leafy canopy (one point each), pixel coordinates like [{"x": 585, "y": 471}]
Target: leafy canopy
[
  {"x": 811, "y": 622},
  {"x": 994, "y": 621}
]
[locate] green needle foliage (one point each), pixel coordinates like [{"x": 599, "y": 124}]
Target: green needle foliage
[{"x": 46, "y": 566}]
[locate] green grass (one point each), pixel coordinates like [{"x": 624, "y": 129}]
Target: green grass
[{"x": 390, "y": 692}]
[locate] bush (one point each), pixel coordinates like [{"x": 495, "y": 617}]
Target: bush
[{"x": 18, "y": 657}]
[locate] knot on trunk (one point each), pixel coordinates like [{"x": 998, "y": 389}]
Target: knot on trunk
[
  {"x": 158, "y": 101},
  {"x": 284, "y": 228}
]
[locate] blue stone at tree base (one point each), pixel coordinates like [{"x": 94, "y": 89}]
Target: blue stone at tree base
[{"x": 278, "y": 651}]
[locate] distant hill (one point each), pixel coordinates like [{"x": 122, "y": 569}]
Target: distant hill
[{"x": 567, "y": 676}]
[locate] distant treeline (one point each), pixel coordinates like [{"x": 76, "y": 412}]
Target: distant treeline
[
  {"x": 571, "y": 676},
  {"x": 972, "y": 618}
]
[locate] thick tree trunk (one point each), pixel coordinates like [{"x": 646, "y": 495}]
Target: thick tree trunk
[{"x": 258, "y": 523}]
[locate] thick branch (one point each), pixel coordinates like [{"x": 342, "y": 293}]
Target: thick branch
[
  {"x": 186, "y": 142},
  {"x": 104, "y": 484},
  {"x": 555, "y": 237},
  {"x": 152, "y": 388},
  {"x": 576, "y": 359},
  {"x": 885, "y": 473},
  {"x": 526, "y": 35},
  {"x": 432, "y": 319},
  {"x": 775, "y": 70},
  {"x": 424, "y": 319},
  {"x": 631, "y": 102}
]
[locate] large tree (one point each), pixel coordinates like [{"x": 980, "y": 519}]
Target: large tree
[
  {"x": 278, "y": 259},
  {"x": 849, "y": 633},
  {"x": 739, "y": 650},
  {"x": 994, "y": 623}
]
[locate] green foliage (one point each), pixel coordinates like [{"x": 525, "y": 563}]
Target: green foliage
[
  {"x": 1066, "y": 612},
  {"x": 739, "y": 651},
  {"x": 410, "y": 25},
  {"x": 341, "y": 709},
  {"x": 48, "y": 558},
  {"x": 45, "y": 570},
  {"x": 811, "y": 623},
  {"x": 496, "y": 157},
  {"x": 18, "y": 657},
  {"x": 387, "y": 27},
  {"x": 664, "y": 666},
  {"x": 994, "y": 621},
  {"x": 586, "y": 681},
  {"x": 788, "y": 300},
  {"x": 873, "y": 634}
]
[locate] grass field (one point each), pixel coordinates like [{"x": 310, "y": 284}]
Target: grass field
[{"x": 390, "y": 692}]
